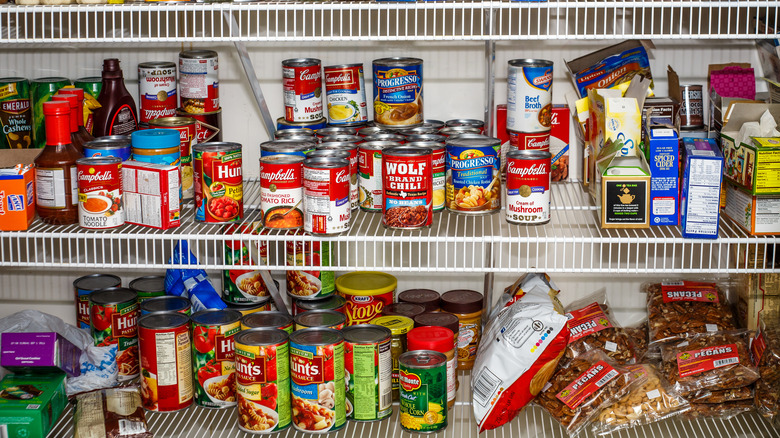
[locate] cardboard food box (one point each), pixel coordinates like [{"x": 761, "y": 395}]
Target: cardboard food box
[
  {"x": 700, "y": 188},
  {"x": 151, "y": 194},
  {"x": 663, "y": 158},
  {"x": 30, "y": 405},
  {"x": 741, "y": 165},
  {"x": 758, "y": 215},
  {"x": 17, "y": 191},
  {"x": 559, "y": 143},
  {"x": 758, "y": 299},
  {"x": 624, "y": 182},
  {"x": 39, "y": 353}
]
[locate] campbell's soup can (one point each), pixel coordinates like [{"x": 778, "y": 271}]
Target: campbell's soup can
[
  {"x": 529, "y": 95},
  {"x": 530, "y": 141},
  {"x": 113, "y": 314},
  {"x": 326, "y": 195},
  {"x": 352, "y": 149},
  {"x": 218, "y": 182},
  {"x": 83, "y": 286},
  {"x": 316, "y": 282},
  {"x": 302, "y": 82},
  {"x": 473, "y": 183},
  {"x": 100, "y": 192},
  {"x": 366, "y": 294},
  {"x": 407, "y": 187},
  {"x": 157, "y": 90},
  {"x": 166, "y": 364},
  {"x": 209, "y": 127},
  {"x": 213, "y": 357},
  {"x": 199, "y": 81},
  {"x": 187, "y": 127},
  {"x": 528, "y": 187},
  {"x": 370, "y": 174},
  {"x": 281, "y": 191},
  {"x": 345, "y": 92},
  {"x": 288, "y": 147},
  {"x": 398, "y": 92},
  {"x": 438, "y": 169}
]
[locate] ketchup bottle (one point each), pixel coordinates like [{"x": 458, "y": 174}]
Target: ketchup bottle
[
  {"x": 56, "y": 190},
  {"x": 75, "y": 113},
  {"x": 117, "y": 114},
  {"x": 83, "y": 135}
]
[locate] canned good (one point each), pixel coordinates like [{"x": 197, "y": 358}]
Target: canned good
[
  {"x": 277, "y": 147},
  {"x": 408, "y": 310},
  {"x": 352, "y": 148},
  {"x": 473, "y": 183},
  {"x": 244, "y": 286},
  {"x": 114, "y": 321},
  {"x": 370, "y": 130},
  {"x": 209, "y": 126},
  {"x": 166, "y": 304},
  {"x": 100, "y": 192},
  {"x": 418, "y": 130},
  {"x": 368, "y": 368},
  {"x": 529, "y": 95},
  {"x": 16, "y": 118},
  {"x": 156, "y": 90},
  {"x": 471, "y": 123},
  {"x": 281, "y": 191},
  {"x": 159, "y": 146},
  {"x": 111, "y": 146},
  {"x": 276, "y": 320},
  {"x": 83, "y": 286},
  {"x": 335, "y": 130},
  {"x": 341, "y": 138},
  {"x": 219, "y": 186},
  {"x": 148, "y": 287},
  {"x": 91, "y": 86},
  {"x": 399, "y": 326},
  {"x": 293, "y": 132},
  {"x": 263, "y": 380},
  {"x": 454, "y": 131},
  {"x": 423, "y": 384},
  {"x": 320, "y": 318},
  {"x": 302, "y": 82},
  {"x": 166, "y": 365},
  {"x": 435, "y": 124},
  {"x": 326, "y": 194},
  {"x": 530, "y": 141},
  {"x": 438, "y": 168},
  {"x": 691, "y": 107},
  {"x": 329, "y": 153},
  {"x": 427, "y": 298},
  {"x": 199, "y": 81},
  {"x": 213, "y": 357},
  {"x": 370, "y": 174},
  {"x": 283, "y": 124},
  {"x": 262, "y": 305},
  {"x": 528, "y": 187},
  {"x": 41, "y": 90},
  {"x": 407, "y": 187},
  {"x": 333, "y": 302},
  {"x": 398, "y": 92},
  {"x": 345, "y": 93},
  {"x": 366, "y": 293},
  {"x": 187, "y": 127},
  {"x": 438, "y": 138},
  {"x": 309, "y": 284},
  {"x": 386, "y": 136},
  {"x": 438, "y": 339}
]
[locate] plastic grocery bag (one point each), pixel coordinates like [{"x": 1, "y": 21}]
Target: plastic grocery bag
[{"x": 191, "y": 283}]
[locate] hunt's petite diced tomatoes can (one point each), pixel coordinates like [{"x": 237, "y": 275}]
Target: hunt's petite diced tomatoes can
[
  {"x": 166, "y": 365},
  {"x": 218, "y": 182},
  {"x": 213, "y": 357},
  {"x": 114, "y": 321}
]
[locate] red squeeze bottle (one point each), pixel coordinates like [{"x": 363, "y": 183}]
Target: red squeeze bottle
[
  {"x": 117, "y": 114},
  {"x": 83, "y": 135},
  {"x": 73, "y": 102},
  {"x": 56, "y": 190}
]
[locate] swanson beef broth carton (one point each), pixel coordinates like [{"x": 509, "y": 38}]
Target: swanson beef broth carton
[
  {"x": 701, "y": 185},
  {"x": 662, "y": 153}
]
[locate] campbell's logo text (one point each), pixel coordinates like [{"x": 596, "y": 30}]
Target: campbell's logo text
[
  {"x": 522, "y": 171},
  {"x": 309, "y": 75},
  {"x": 287, "y": 174},
  {"x": 92, "y": 177}
]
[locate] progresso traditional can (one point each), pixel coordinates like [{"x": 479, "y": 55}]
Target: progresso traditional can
[
  {"x": 166, "y": 364},
  {"x": 370, "y": 174},
  {"x": 281, "y": 321},
  {"x": 528, "y": 187},
  {"x": 166, "y": 304},
  {"x": 302, "y": 82},
  {"x": 315, "y": 283},
  {"x": 281, "y": 191},
  {"x": 368, "y": 369},
  {"x": 529, "y": 97},
  {"x": 473, "y": 183},
  {"x": 156, "y": 90},
  {"x": 352, "y": 149},
  {"x": 367, "y": 293},
  {"x": 398, "y": 92},
  {"x": 213, "y": 357},
  {"x": 345, "y": 93},
  {"x": 16, "y": 118},
  {"x": 219, "y": 186},
  {"x": 100, "y": 192},
  {"x": 148, "y": 287},
  {"x": 320, "y": 318},
  {"x": 333, "y": 302},
  {"x": 83, "y": 286},
  {"x": 317, "y": 375},
  {"x": 187, "y": 127},
  {"x": 407, "y": 187},
  {"x": 199, "y": 81},
  {"x": 114, "y": 321},
  {"x": 280, "y": 147},
  {"x": 326, "y": 194},
  {"x": 110, "y": 146},
  {"x": 423, "y": 384}
]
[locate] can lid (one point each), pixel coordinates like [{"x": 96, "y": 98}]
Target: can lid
[
  {"x": 473, "y": 141},
  {"x": 397, "y": 324},
  {"x": 408, "y": 310},
  {"x": 155, "y": 139},
  {"x": 261, "y": 336},
  {"x": 317, "y": 336},
  {"x": 266, "y": 319},
  {"x": 260, "y": 302},
  {"x": 366, "y": 333},
  {"x": 461, "y": 301},
  {"x": 215, "y": 146},
  {"x": 112, "y": 295},
  {"x": 151, "y": 283},
  {"x": 216, "y": 317},
  {"x": 98, "y": 161},
  {"x": 97, "y": 281},
  {"x": 430, "y": 338},
  {"x": 320, "y": 318},
  {"x": 428, "y": 298},
  {"x": 161, "y": 321},
  {"x": 332, "y": 302},
  {"x": 422, "y": 359},
  {"x": 438, "y": 319},
  {"x": 366, "y": 283},
  {"x": 167, "y": 303}
]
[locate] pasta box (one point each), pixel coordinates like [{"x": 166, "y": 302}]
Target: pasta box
[
  {"x": 756, "y": 214},
  {"x": 29, "y": 405},
  {"x": 663, "y": 158},
  {"x": 700, "y": 188},
  {"x": 17, "y": 188},
  {"x": 39, "y": 353},
  {"x": 151, "y": 194}
]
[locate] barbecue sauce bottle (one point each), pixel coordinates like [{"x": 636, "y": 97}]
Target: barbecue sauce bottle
[
  {"x": 83, "y": 135},
  {"x": 117, "y": 114},
  {"x": 75, "y": 113},
  {"x": 56, "y": 190}
]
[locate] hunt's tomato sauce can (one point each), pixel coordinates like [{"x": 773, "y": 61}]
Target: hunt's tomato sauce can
[
  {"x": 281, "y": 191},
  {"x": 263, "y": 380},
  {"x": 366, "y": 293},
  {"x": 302, "y": 82},
  {"x": 346, "y": 94},
  {"x": 83, "y": 286},
  {"x": 166, "y": 364},
  {"x": 218, "y": 182},
  {"x": 326, "y": 195},
  {"x": 528, "y": 187},
  {"x": 213, "y": 357},
  {"x": 157, "y": 90},
  {"x": 114, "y": 321},
  {"x": 407, "y": 187},
  {"x": 100, "y": 192}
]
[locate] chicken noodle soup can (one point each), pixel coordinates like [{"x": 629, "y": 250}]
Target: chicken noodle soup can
[
  {"x": 311, "y": 284},
  {"x": 317, "y": 375},
  {"x": 218, "y": 182},
  {"x": 345, "y": 93},
  {"x": 326, "y": 195},
  {"x": 187, "y": 127},
  {"x": 368, "y": 368},
  {"x": 423, "y": 384},
  {"x": 302, "y": 82},
  {"x": 320, "y": 318},
  {"x": 281, "y": 191},
  {"x": 366, "y": 294},
  {"x": 157, "y": 90},
  {"x": 473, "y": 183},
  {"x": 352, "y": 149},
  {"x": 100, "y": 192},
  {"x": 114, "y": 321},
  {"x": 529, "y": 95},
  {"x": 276, "y": 320},
  {"x": 263, "y": 380},
  {"x": 83, "y": 286},
  {"x": 407, "y": 187},
  {"x": 398, "y": 92},
  {"x": 213, "y": 357},
  {"x": 370, "y": 174},
  {"x": 199, "y": 81},
  {"x": 528, "y": 187},
  {"x": 166, "y": 362}
]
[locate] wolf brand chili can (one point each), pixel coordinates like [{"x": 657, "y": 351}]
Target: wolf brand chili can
[
  {"x": 213, "y": 357},
  {"x": 16, "y": 118},
  {"x": 473, "y": 183},
  {"x": 219, "y": 186},
  {"x": 148, "y": 287},
  {"x": 166, "y": 304},
  {"x": 333, "y": 302},
  {"x": 529, "y": 95},
  {"x": 366, "y": 293},
  {"x": 423, "y": 384},
  {"x": 368, "y": 368},
  {"x": 528, "y": 187},
  {"x": 317, "y": 375},
  {"x": 114, "y": 321},
  {"x": 530, "y": 141},
  {"x": 370, "y": 174},
  {"x": 199, "y": 81},
  {"x": 310, "y": 284},
  {"x": 320, "y": 318},
  {"x": 302, "y": 82},
  {"x": 278, "y": 147},
  {"x": 110, "y": 146},
  {"x": 187, "y": 127},
  {"x": 166, "y": 365},
  {"x": 326, "y": 195},
  {"x": 352, "y": 149},
  {"x": 100, "y": 192},
  {"x": 276, "y": 320},
  {"x": 438, "y": 159},
  {"x": 398, "y": 92},
  {"x": 83, "y": 286},
  {"x": 345, "y": 92},
  {"x": 157, "y": 90},
  {"x": 281, "y": 191},
  {"x": 407, "y": 187}
]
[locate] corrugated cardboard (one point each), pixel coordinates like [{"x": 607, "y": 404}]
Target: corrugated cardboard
[{"x": 17, "y": 192}]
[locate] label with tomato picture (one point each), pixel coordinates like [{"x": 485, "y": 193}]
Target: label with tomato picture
[
  {"x": 243, "y": 286},
  {"x": 310, "y": 284},
  {"x": 213, "y": 357},
  {"x": 218, "y": 182},
  {"x": 116, "y": 324}
]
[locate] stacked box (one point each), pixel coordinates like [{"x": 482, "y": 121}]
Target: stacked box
[
  {"x": 701, "y": 184},
  {"x": 29, "y": 405}
]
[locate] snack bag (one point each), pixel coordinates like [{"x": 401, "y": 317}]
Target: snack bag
[
  {"x": 765, "y": 354},
  {"x": 722, "y": 396},
  {"x": 723, "y": 411},
  {"x": 110, "y": 413},
  {"x": 591, "y": 328},
  {"x": 539, "y": 282},
  {"x": 639, "y": 336},
  {"x": 767, "y": 402}
]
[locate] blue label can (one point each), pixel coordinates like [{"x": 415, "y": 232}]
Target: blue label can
[
  {"x": 398, "y": 92},
  {"x": 472, "y": 182},
  {"x": 111, "y": 146}
]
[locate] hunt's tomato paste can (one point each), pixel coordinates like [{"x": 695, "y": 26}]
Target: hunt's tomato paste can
[
  {"x": 218, "y": 182},
  {"x": 114, "y": 321},
  {"x": 302, "y": 82},
  {"x": 346, "y": 94},
  {"x": 366, "y": 293},
  {"x": 407, "y": 187},
  {"x": 157, "y": 90},
  {"x": 528, "y": 187},
  {"x": 326, "y": 195},
  {"x": 281, "y": 191},
  {"x": 263, "y": 380},
  {"x": 166, "y": 364},
  {"x": 213, "y": 357},
  {"x": 100, "y": 192},
  {"x": 83, "y": 286},
  {"x": 529, "y": 95}
]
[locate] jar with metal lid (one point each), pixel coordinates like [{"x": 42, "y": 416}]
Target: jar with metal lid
[
  {"x": 399, "y": 326},
  {"x": 320, "y": 319},
  {"x": 408, "y": 310},
  {"x": 438, "y": 339},
  {"x": 427, "y": 298},
  {"x": 467, "y": 306}
]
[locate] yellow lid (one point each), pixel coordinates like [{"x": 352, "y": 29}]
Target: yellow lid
[
  {"x": 364, "y": 283},
  {"x": 397, "y": 324}
]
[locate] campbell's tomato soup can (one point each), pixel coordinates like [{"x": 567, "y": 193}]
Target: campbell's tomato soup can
[
  {"x": 398, "y": 92},
  {"x": 407, "y": 187},
  {"x": 302, "y": 82},
  {"x": 529, "y": 95},
  {"x": 345, "y": 93},
  {"x": 113, "y": 314},
  {"x": 218, "y": 182},
  {"x": 366, "y": 294},
  {"x": 263, "y": 380},
  {"x": 100, "y": 192},
  {"x": 281, "y": 191},
  {"x": 326, "y": 194},
  {"x": 187, "y": 127},
  {"x": 166, "y": 365},
  {"x": 315, "y": 283},
  {"x": 213, "y": 357},
  {"x": 317, "y": 377},
  {"x": 199, "y": 81},
  {"x": 473, "y": 183},
  {"x": 370, "y": 174},
  {"x": 157, "y": 90},
  {"x": 352, "y": 149},
  {"x": 530, "y": 141},
  {"x": 528, "y": 187},
  {"x": 83, "y": 286}
]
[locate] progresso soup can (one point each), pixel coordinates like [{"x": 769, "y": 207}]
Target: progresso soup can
[
  {"x": 408, "y": 187},
  {"x": 345, "y": 93},
  {"x": 528, "y": 187},
  {"x": 368, "y": 365},
  {"x": 83, "y": 286},
  {"x": 213, "y": 357},
  {"x": 423, "y": 384},
  {"x": 166, "y": 365},
  {"x": 114, "y": 321},
  {"x": 398, "y": 92},
  {"x": 218, "y": 182},
  {"x": 473, "y": 183},
  {"x": 302, "y": 82}
]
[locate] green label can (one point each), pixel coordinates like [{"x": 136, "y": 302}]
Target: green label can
[
  {"x": 423, "y": 384},
  {"x": 41, "y": 90},
  {"x": 91, "y": 86},
  {"x": 213, "y": 357},
  {"x": 15, "y": 114},
  {"x": 368, "y": 368},
  {"x": 114, "y": 321}
]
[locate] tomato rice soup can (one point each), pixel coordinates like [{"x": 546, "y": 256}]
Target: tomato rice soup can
[
  {"x": 368, "y": 370},
  {"x": 218, "y": 182},
  {"x": 326, "y": 195},
  {"x": 345, "y": 92},
  {"x": 213, "y": 357},
  {"x": 302, "y": 82},
  {"x": 473, "y": 183},
  {"x": 114, "y": 320},
  {"x": 407, "y": 187},
  {"x": 529, "y": 95},
  {"x": 83, "y": 286},
  {"x": 281, "y": 191},
  {"x": 528, "y": 187},
  {"x": 166, "y": 363}
]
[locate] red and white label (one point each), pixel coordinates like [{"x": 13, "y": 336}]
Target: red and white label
[
  {"x": 157, "y": 90},
  {"x": 528, "y": 190},
  {"x": 757, "y": 347},
  {"x": 307, "y": 370},
  {"x": 281, "y": 184},
  {"x": 163, "y": 355},
  {"x": 370, "y": 176},
  {"x": 302, "y": 93},
  {"x": 438, "y": 157},
  {"x": 587, "y": 321},
  {"x": 690, "y": 363},
  {"x": 588, "y": 383},
  {"x": 100, "y": 195},
  {"x": 689, "y": 291},
  {"x": 326, "y": 199},
  {"x": 187, "y": 135},
  {"x": 346, "y": 95},
  {"x": 530, "y": 141},
  {"x": 151, "y": 194},
  {"x": 199, "y": 81},
  {"x": 408, "y": 190}
]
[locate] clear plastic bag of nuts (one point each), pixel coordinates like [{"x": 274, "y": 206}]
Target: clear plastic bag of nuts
[
  {"x": 767, "y": 400},
  {"x": 638, "y": 335},
  {"x": 765, "y": 352},
  {"x": 592, "y": 328},
  {"x": 723, "y": 411},
  {"x": 651, "y": 401},
  {"x": 722, "y": 396}
]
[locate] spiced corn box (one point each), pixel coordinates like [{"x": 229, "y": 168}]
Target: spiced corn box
[{"x": 701, "y": 186}]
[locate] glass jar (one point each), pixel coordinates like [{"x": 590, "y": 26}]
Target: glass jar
[
  {"x": 399, "y": 326},
  {"x": 467, "y": 306}
]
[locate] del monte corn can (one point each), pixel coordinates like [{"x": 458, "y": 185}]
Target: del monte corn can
[
  {"x": 423, "y": 381},
  {"x": 213, "y": 357}
]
